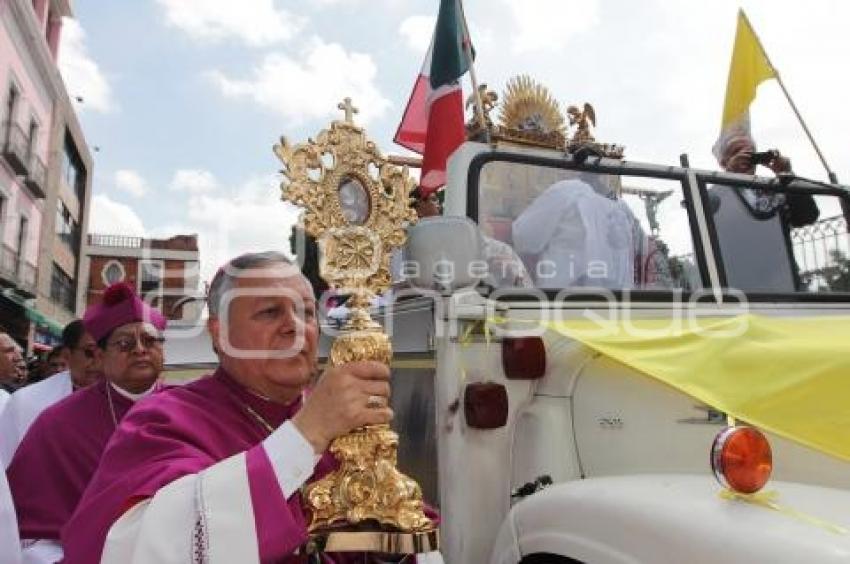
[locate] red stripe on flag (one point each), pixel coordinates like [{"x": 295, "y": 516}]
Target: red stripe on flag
[
  {"x": 413, "y": 129},
  {"x": 445, "y": 133}
]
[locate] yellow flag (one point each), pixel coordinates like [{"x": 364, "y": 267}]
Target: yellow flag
[
  {"x": 789, "y": 376},
  {"x": 750, "y": 67}
]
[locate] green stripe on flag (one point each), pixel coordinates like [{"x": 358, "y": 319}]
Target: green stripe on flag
[{"x": 448, "y": 62}]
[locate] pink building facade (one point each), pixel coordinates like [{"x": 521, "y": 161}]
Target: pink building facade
[{"x": 34, "y": 109}]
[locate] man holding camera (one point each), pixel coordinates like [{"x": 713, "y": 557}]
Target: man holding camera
[
  {"x": 740, "y": 156},
  {"x": 754, "y": 224}
]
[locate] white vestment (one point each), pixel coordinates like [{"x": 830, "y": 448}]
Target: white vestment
[
  {"x": 4, "y": 398},
  {"x": 25, "y": 406},
  {"x": 209, "y": 517},
  {"x": 580, "y": 238},
  {"x": 10, "y": 552}
]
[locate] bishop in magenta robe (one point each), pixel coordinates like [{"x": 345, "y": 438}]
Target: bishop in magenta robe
[
  {"x": 61, "y": 450},
  {"x": 211, "y": 471},
  {"x": 58, "y": 457}
]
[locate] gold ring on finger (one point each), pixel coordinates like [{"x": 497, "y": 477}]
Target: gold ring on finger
[{"x": 375, "y": 402}]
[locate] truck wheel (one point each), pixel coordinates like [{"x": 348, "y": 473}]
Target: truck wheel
[{"x": 546, "y": 558}]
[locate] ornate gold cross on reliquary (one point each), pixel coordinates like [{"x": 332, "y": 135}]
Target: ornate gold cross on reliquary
[{"x": 357, "y": 206}]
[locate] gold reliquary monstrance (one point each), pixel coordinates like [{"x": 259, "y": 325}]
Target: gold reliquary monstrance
[{"x": 357, "y": 207}]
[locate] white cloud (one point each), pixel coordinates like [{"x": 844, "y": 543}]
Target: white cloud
[
  {"x": 228, "y": 221},
  {"x": 131, "y": 182},
  {"x": 548, "y": 25},
  {"x": 194, "y": 181},
  {"x": 250, "y": 218},
  {"x": 417, "y": 32},
  {"x": 83, "y": 78},
  {"x": 310, "y": 85},
  {"x": 113, "y": 218},
  {"x": 256, "y": 23}
]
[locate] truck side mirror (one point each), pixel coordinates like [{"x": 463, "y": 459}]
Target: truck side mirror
[{"x": 444, "y": 253}]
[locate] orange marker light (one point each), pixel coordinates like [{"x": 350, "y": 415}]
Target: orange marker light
[{"x": 741, "y": 459}]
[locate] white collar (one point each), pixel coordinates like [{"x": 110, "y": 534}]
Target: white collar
[{"x": 131, "y": 396}]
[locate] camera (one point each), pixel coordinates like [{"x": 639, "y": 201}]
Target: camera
[{"x": 764, "y": 157}]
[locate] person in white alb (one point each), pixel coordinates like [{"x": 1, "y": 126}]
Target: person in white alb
[
  {"x": 8, "y": 371},
  {"x": 580, "y": 234},
  {"x": 28, "y": 402}
]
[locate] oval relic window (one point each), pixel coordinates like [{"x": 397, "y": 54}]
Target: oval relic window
[{"x": 354, "y": 201}]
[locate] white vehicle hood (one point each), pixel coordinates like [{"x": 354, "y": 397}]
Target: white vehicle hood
[{"x": 673, "y": 519}]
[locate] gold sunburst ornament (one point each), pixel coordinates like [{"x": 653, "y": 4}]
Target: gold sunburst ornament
[
  {"x": 357, "y": 206},
  {"x": 530, "y": 114}
]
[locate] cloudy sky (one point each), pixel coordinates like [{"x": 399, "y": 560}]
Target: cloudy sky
[{"x": 183, "y": 99}]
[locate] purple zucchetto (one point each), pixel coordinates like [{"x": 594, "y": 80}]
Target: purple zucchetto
[{"x": 120, "y": 305}]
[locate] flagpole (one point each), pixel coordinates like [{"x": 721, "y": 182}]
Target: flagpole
[
  {"x": 467, "y": 50},
  {"x": 830, "y": 174}
]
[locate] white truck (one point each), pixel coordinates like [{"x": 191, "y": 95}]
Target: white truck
[{"x": 488, "y": 418}]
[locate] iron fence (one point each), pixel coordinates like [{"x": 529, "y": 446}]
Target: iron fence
[{"x": 822, "y": 252}]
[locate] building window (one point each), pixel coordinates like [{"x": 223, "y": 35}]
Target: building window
[
  {"x": 66, "y": 227},
  {"x": 23, "y": 227},
  {"x": 62, "y": 288},
  {"x": 33, "y": 138},
  {"x": 150, "y": 280},
  {"x": 112, "y": 273},
  {"x": 73, "y": 172},
  {"x": 9, "y": 115}
]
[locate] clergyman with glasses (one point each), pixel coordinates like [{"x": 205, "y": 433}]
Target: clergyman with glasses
[
  {"x": 79, "y": 352},
  {"x": 60, "y": 452}
]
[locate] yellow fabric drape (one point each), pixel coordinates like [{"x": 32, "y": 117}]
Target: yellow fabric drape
[
  {"x": 750, "y": 67},
  {"x": 787, "y": 375}
]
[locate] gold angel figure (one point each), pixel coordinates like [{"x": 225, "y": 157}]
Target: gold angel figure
[
  {"x": 488, "y": 101},
  {"x": 582, "y": 120}
]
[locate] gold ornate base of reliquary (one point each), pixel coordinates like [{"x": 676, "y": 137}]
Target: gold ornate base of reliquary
[{"x": 357, "y": 207}]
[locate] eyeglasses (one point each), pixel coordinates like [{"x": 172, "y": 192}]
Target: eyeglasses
[{"x": 126, "y": 344}]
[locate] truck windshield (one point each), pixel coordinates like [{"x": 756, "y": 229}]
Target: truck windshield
[
  {"x": 571, "y": 229},
  {"x": 774, "y": 242}
]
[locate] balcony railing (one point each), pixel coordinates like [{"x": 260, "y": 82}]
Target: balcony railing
[
  {"x": 15, "y": 147},
  {"x": 16, "y": 271},
  {"x": 27, "y": 278},
  {"x": 9, "y": 264},
  {"x": 122, "y": 241},
  {"x": 37, "y": 178}
]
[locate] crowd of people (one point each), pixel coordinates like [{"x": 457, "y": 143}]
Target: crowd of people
[{"x": 104, "y": 463}]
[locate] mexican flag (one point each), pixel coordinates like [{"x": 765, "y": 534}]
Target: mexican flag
[{"x": 432, "y": 124}]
